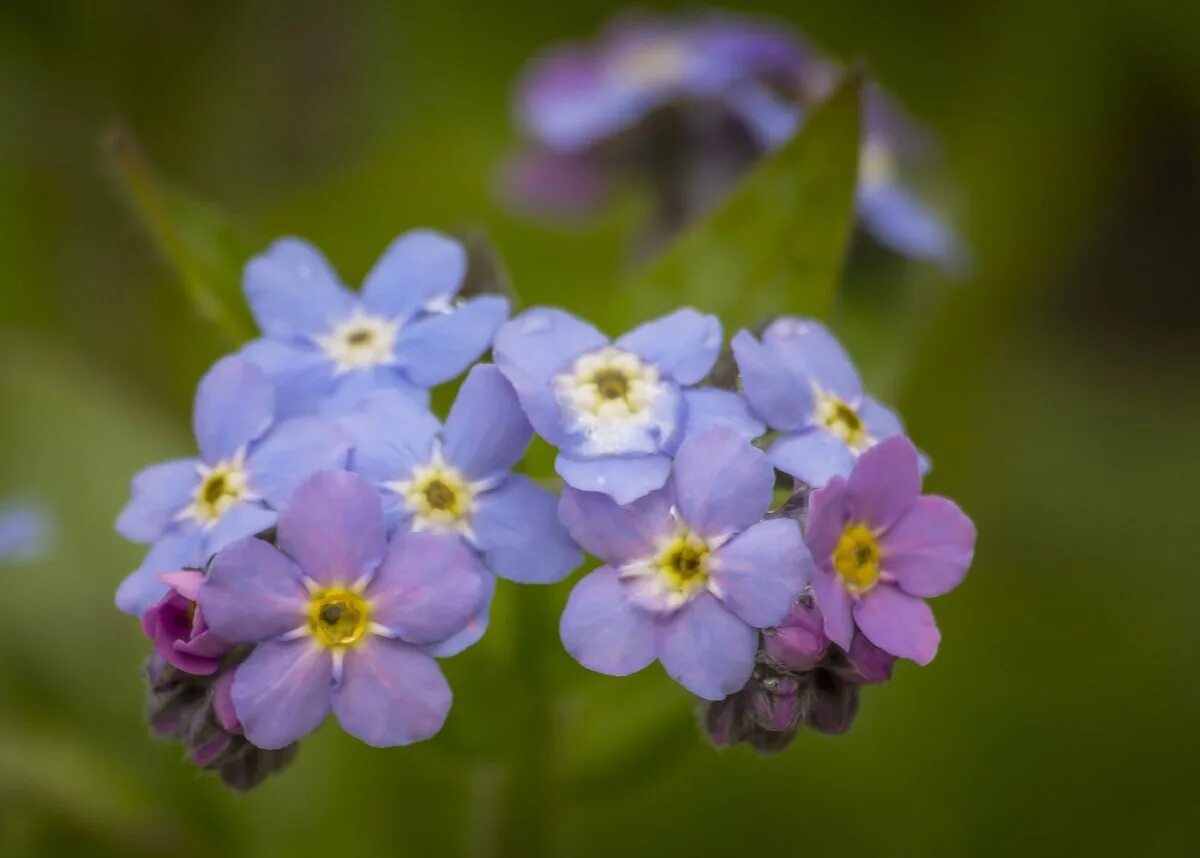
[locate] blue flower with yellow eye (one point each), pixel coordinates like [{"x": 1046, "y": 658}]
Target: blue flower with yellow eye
[
  {"x": 617, "y": 411},
  {"x": 325, "y": 346},
  {"x": 249, "y": 464}
]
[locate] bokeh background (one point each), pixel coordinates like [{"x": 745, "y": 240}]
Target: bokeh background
[{"x": 1057, "y": 393}]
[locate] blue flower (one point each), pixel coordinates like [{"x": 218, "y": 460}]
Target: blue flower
[
  {"x": 326, "y": 347},
  {"x": 800, "y": 380},
  {"x": 24, "y": 533},
  {"x": 692, "y": 571},
  {"x": 455, "y": 480},
  {"x": 189, "y": 509},
  {"x": 617, "y": 411}
]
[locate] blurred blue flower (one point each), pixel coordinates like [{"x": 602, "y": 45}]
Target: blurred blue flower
[
  {"x": 326, "y": 347},
  {"x": 456, "y": 480},
  {"x": 692, "y": 571},
  {"x": 617, "y": 411},
  {"x": 24, "y": 533},
  {"x": 800, "y": 380},
  {"x": 188, "y": 509},
  {"x": 340, "y": 617}
]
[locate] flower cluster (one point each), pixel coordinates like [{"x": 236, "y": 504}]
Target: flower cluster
[
  {"x": 334, "y": 537},
  {"x": 684, "y": 106}
]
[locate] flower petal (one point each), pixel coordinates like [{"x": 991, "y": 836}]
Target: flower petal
[
  {"x": 253, "y": 593},
  {"x": 437, "y": 348},
  {"x": 333, "y": 528},
  {"x": 885, "y": 483},
  {"x": 898, "y": 623},
  {"x": 238, "y": 522},
  {"x": 539, "y": 343},
  {"x": 813, "y": 355},
  {"x": 723, "y": 484},
  {"x": 294, "y": 451},
  {"x": 614, "y": 532},
  {"x": 159, "y": 492},
  {"x": 684, "y": 344},
  {"x": 419, "y": 267},
  {"x": 828, "y": 515},
  {"x": 813, "y": 457},
  {"x": 760, "y": 573},
  {"x": 774, "y": 393},
  {"x": 836, "y": 606},
  {"x": 881, "y": 422},
  {"x": 475, "y": 628},
  {"x": 930, "y": 549},
  {"x": 391, "y": 436},
  {"x": 179, "y": 548},
  {"x": 282, "y": 692},
  {"x": 235, "y": 404},
  {"x": 391, "y": 694},
  {"x": 486, "y": 432},
  {"x": 897, "y": 219},
  {"x": 517, "y": 528},
  {"x": 710, "y": 408},
  {"x": 293, "y": 292},
  {"x": 602, "y": 630},
  {"x": 302, "y": 374},
  {"x": 623, "y": 478},
  {"x": 706, "y": 649},
  {"x": 427, "y": 588}
]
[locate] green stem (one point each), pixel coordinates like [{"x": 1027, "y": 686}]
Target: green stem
[{"x": 528, "y": 802}]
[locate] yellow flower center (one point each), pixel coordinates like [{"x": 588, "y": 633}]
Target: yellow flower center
[
  {"x": 220, "y": 487},
  {"x": 683, "y": 563},
  {"x": 611, "y": 383},
  {"x": 856, "y": 559},
  {"x": 439, "y": 497},
  {"x": 842, "y": 421},
  {"x": 338, "y": 617}
]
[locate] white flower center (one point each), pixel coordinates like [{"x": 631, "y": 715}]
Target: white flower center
[
  {"x": 361, "y": 341},
  {"x": 841, "y": 420},
  {"x": 677, "y": 572},
  {"x": 221, "y": 487},
  {"x": 609, "y": 396},
  {"x": 439, "y": 496}
]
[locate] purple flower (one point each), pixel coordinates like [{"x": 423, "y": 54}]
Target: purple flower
[
  {"x": 881, "y": 548},
  {"x": 340, "y": 617},
  {"x": 457, "y": 480},
  {"x": 325, "y": 346},
  {"x": 800, "y": 380},
  {"x": 176, "y": 626},
  {"x": 618, "y": 411},
  {"x": 189, "y": 509},
  {"x": 692, "y": 572}
]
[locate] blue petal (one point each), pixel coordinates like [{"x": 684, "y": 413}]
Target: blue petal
[
  {"x": 238, "y": 522},
  {"x": 486, "y": 432},
  {"x": 517, "y": 529},
  {"x": 352, "y": 388},
  {"x": 684, "y": 344},
  {"x": 418, "y": 267},
  {"x": 623, "y": 478},
  {"x": 293, "y": 292},
  {"x": 710, "y": 408},
  {"x": 302, "y": 374},
  {"x": 772, "y": 120},
  {"x": 179, "y": 549},
  {"x": 775, "y": 393},
  {"x": 723, "y": 484},
  {"x": 391, "y": 435},
  {"x": 706, "y": 649},
  {"x": 813, "y": 354},
  {"x": 618, "y": 533},
  {"x": 436, "y": 348},
  {"x": 24, "y": 533},
  {"x": 475, "y": 628},
  {"x": 159, "y": 493},
  {"x": 540, "y": 343},
  {"x": 295, "y": 450},
  {"x": 762, "y": 571},
  {"x": 602, "y": 630},
  {"x": 881, "y": 422},
  {"x": 905, "y": 224},
  {"x": 813, "y": 457},
  {"x": 235, "y": 404}
]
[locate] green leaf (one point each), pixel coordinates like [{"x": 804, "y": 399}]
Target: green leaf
[
  {"x": 206, "y": 252},
  {"x": 776, "y": 244}
]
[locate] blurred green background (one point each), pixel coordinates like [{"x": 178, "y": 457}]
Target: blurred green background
[{"x": 1057, "y": 394}]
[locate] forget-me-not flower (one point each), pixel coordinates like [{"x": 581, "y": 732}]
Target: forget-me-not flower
[
  {"x": 249, "y": 464},
  {"x": 325, "y": 347},
  {"x": 617, "y": 411},
  {"x": 457, "y": 480},
  {"x": 340, "y": 615},
  {"x": 692, "y": 571}
]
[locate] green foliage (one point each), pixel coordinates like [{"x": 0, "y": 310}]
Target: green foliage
[{"x": 775, "y": 245}]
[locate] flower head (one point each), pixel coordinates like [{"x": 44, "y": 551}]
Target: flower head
[
  {"x": 326, "y": 346},
  {"x": 188, "y": 509},
  {"x": 617, "y": 411},
  {"x": 176, "y": 626},
  {"x": 456, "y": 480},
  {"x": 692, "y": 572},
  {"x": 800, "y": 380},
  {"x": 880, "y": 548},
  {"x": 340, "y": 617}
]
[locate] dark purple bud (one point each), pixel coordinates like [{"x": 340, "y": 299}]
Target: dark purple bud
[
  {"x": 775, "y": 703},
  {"x": 250, "y": 766},
  {"x": 829, "y": 703},
  {"x": 869, "y": 663},
  {"x": 799, "y": 643},
  {"x": 177, "y": 628}
]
